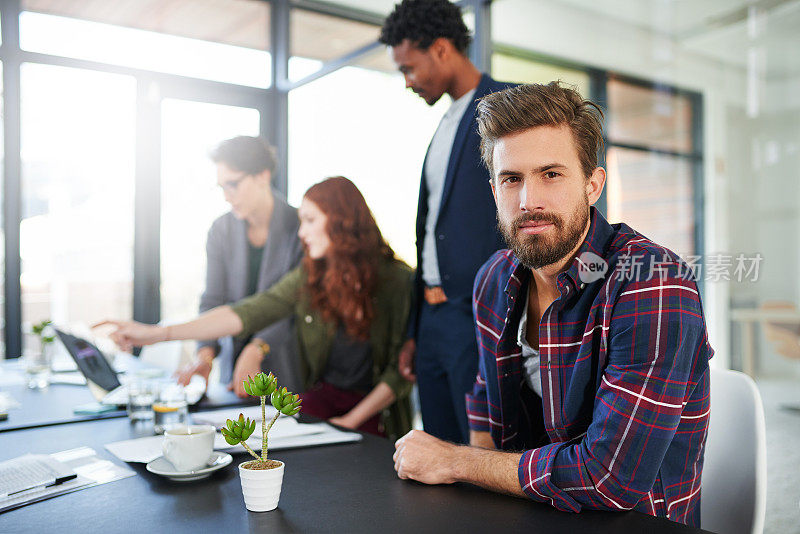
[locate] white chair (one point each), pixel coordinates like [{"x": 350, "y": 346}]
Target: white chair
[{"x": 734, "y": 492}]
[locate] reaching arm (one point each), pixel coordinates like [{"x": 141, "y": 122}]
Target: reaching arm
[
  {"x": 221, "y": 321},
  {"x": 374, "y": 403}
]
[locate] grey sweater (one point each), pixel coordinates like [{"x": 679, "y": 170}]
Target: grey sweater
[{"x": 226, "y": 282}]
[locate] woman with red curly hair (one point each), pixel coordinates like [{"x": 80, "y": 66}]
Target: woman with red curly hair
[{"x": 350, "y": 299}]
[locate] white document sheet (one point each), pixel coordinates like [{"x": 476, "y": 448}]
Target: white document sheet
[
  {"x": 90, "y": 469},
  {"x": 217, "y": 418},
  {"x": 286, "y": 433},
  {"x": 318, "y": 434}
]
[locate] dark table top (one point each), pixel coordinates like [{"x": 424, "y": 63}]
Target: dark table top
[
  {"x": 54, "y": 405},
  {"x": 340, "y": 488}
]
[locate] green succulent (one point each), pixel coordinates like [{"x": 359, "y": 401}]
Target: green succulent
[
  {"x": 39, "y": 329},
  {"x": 238, "y": 431},
  {"x": 262, "y": 386},
  {"x": 285, "y": 402}
]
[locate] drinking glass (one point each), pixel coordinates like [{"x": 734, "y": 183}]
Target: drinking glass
[
  {"x": 170, "y": 408},
  {"x": 141, "y": 394}
]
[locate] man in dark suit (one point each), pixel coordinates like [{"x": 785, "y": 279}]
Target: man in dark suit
[{"x": 456, "y": 221}]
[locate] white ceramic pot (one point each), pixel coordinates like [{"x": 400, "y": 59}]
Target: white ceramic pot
[{"x": 261, "y": 487}]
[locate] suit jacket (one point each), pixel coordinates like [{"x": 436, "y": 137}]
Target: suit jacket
[
  {"x": 226, "y": 282},
  {"x": 466, "y": 230}
]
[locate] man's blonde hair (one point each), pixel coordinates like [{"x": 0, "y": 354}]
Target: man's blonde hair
[{"x": 527, "y": 106}]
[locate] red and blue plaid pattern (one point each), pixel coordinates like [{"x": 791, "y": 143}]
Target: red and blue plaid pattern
[{"x": 625, "y": 381}]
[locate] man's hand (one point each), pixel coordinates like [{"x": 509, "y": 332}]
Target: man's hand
[
  {"x": 406, "y": 360},
  {"x": 247, "y": 364},
  {"x": 202, "y": 367},
  {"x": 422, "y": 457},
  {"x": 129, "y": 334}
]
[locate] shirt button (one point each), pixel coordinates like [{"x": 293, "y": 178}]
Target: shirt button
[
  {"x": 309, "y": 319},
  {"x": 446, "y": 277},
  {"x": 441, "y": 237}
]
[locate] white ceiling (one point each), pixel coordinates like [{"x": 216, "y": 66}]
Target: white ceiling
[{"x": 719, "y": 30}]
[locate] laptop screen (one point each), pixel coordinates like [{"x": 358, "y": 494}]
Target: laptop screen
[{"x": 91, "y": 362}]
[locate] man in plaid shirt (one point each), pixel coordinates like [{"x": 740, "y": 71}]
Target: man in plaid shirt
[{"x": 593, "y": 384}]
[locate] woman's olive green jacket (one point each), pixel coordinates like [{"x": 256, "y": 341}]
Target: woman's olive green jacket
[{"x": 392, "y": 302}]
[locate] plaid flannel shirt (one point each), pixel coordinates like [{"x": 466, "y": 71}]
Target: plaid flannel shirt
[{"x": 625, "y": 380}]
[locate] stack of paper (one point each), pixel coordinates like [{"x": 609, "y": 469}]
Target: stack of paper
[
  {"x": 90, "y": 471},
  {"x": 286, "y": 433}
]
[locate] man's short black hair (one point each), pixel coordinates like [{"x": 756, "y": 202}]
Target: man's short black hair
[{"x": 424, "y": 21}]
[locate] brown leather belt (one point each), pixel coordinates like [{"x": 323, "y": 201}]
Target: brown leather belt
[{"x": 435, "y": 295}]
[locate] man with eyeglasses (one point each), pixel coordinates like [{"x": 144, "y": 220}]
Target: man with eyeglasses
[{"x": 248, "y": 249}]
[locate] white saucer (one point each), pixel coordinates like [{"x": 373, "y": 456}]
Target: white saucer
[{"x": 161, "y": 466}]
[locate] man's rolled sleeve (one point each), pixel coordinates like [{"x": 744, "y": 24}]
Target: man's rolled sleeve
[
  {"x": 477, "y": 405},
  {"x": 656, "y": 350}
]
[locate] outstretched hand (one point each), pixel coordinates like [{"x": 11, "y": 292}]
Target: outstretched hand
[{"x": 129, "y": 334}]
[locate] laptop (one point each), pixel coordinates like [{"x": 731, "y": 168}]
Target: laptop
[{"x": 91, "y": 363}]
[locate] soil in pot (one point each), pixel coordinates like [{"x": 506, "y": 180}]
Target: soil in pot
[{"x": 256, "y": 465}]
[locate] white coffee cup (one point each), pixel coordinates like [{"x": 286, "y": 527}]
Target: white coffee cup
[{"x": 188, "y": 447}]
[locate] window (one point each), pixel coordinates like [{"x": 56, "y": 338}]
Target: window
[
  {"x": 509, "y": 68},
  {"x": 224, "y": 42},
  {"x": 650, "y": 163},
  {"x": 190, "y": 198},
  {"x": 376, "y": 136},
  {"x": 653, "y": 194},
  {"x": 317, "y": 38},
  {"x": 649, "y": 116},
  {"x": 76, "y": 235}
]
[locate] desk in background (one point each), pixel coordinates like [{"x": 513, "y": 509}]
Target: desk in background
[
  {"x": 54, "y": 405},
  {"x": 342, "y": 488}
]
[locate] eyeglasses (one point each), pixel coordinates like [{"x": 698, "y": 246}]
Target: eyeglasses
[{"x": 230, "y": 186}]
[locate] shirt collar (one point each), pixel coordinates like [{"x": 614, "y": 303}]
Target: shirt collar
[
  {"x": 458, "y": 106},
  {"x": 597, "y": 240}
]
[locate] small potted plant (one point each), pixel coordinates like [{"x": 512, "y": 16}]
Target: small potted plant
[
  {"x": 38, "y": 365},
  {"x": 261, "y": 478}
]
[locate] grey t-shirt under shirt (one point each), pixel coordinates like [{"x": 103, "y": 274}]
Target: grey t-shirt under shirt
[
  {"x": 435, "y": 173},
  {"x": 530, "y": 356}
]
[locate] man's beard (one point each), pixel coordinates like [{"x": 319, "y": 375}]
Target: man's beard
[{"x": 537, "y": 250}]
